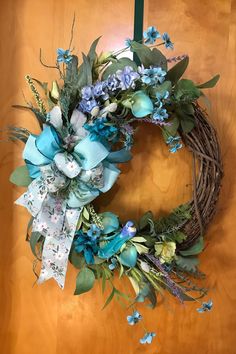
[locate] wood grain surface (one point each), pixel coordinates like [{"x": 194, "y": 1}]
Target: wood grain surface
[{"x": 45, "y": 320}]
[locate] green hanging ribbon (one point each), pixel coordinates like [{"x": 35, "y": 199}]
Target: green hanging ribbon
[{"x": 138, "y": 25}]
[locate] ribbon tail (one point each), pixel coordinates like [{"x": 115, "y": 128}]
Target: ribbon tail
[{"x": 56, "y": 250}]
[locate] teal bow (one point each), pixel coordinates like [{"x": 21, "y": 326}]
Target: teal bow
[{"x": 90, "y": 167}]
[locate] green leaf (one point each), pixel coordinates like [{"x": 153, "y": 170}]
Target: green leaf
[
  {"x": 186, "y": 89},
  {"x": 177, "y": 71},
  {"x": 20, "y": 176},
  {"x": 76, "y": 259},
  {"x": 195, "y": 249},
  {"x": 149, "y": 57},
  {"x": 34, "y": 239},
  {"x": 209, "y": 84},
  {"x": 118, "y": 65},
  {"x": 144, "y": 221},
  {"x": 110, "y": 297},
  {"x": 188, "y": 264},
  {"x": 172, "y": 129},
  {"x": 84, "y": 281},
  {"x": 72, "y": 70},
  {"x": 187, "y": 124},
  {"x": 92, "y": 51},
  {"x": 104, "y": 279},
  {"x": 139, "y": 239},
  {"x": 141, "y": 249}
]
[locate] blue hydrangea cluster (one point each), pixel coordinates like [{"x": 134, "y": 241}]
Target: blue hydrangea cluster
[
  {"x": 101, "y": 129},
  {"x": 94, "y": 95}
]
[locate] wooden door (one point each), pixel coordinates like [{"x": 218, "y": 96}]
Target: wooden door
[{"x": 44, "y": 319}]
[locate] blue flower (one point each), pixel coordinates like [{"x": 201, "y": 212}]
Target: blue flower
[
  {"x": 174, "y": 143},
  {"x": 148, "y": 337},
  {"x": 151, "y": 35},
  {"x": 63, "y": 56},
  {"x": 112, "y": 83},
  {"x": 127, "y": 77},
  {"x": 134, "y": 318},
  {"x": 98, "y": 90},
  {"x": 141, "y": 104},
  {"x": 206, "y": 306},
  {"x": 160, "y": 114},
  {"x": 129, "y": 230},
  {"x": 100, "y": 130},
  {"x": 94, "y": 232},
  {"x": 87, "y": 92},
  {"x": 128, "y": 42},
  {"x": 87, "y": 105},
  {"x": 168, "y": 44},
  {"x": 113, "y": 263},
  {"x": 88, "y": 243},
  {"x": 153, "y": 75},
  {"x": 162, "y": 96}
]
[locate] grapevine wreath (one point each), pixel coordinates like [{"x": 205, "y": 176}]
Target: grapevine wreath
[{"x": 88, "y": 119}]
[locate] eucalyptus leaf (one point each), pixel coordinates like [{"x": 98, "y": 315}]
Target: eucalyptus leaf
[
  {"x": 34, "y": 239},
  {"x": 76, "y": 259},
  {"x": 210, "y": 83},
  {"x": 186, "y": 89},
  {"x": 92, "y": 51},
  {"x": 177, "y": 71},
  {"x": 195, "y": 249},
  {"x": 20, "y": 176},
  {"x": 84, "y": 281},
  {"x": 149, "y": 57}
]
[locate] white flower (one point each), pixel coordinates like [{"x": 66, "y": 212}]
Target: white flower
[
  {"x": 70, "y": 213},
  {"x": 59, "y": 256},
  {"x": 43, "y": 273},
  {"x": 55, "y": 218},
  {"x": 71, "y": 166},
  {"x": 40, "y": 196},
  {"x": 48, "y": 262},
  {"x": 41, "y": 226},
  {"x": 30, "y": 196}
]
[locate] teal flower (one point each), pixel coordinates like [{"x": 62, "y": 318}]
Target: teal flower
[
  {"x": 174, "y": 143},
  {"x": 206, "y": 306},
  {"x": 168, "y": 44},
  {"x": 88, "y": 243},
  {"x": 153, "y": 75},
  {"x": 148, "y": 337},
  {"x": 101, "y": 130},
  {"x": 141, "y": 104},
  {"x": 160, "y": 114},
  {"x": 113, "y": 264},
  {"x": 151, "y": 35},
  {"x": 63, "y": 56},
  {"x": 134, "y": 318}
]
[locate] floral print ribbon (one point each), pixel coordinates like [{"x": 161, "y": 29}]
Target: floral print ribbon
[{"x": 63, "y": 183}]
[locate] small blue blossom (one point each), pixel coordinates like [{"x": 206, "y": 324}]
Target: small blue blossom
[
  {"x": 174, "y": 143},
  {"x": 134, "y": 318},
  {"x": 153, "y": 75},
  {"x": 129, "y": 230},
  {"x": 160, "y": 113},
  {"x": 162, "y": 96},
  {"x": 151, "y": 35},
  {"x": 87, "y": 92},
  {"x": 112, "y": 83},
  {"x": 168, "y": 44},
  {"x": 88, "y": 244},
  {"x": 113, "y": 263},
  {"x": 128, "y": 42},
  {"x": 63, "y": 56},
  {"x": 87, "y": 105},
  {"x": 99, "y": 90},
  {"x": 94, "y": 232},
  {"x": 100, "y": 130},
  {"x": 206, "y": 306},
  {"x": 148, "y": 337},
  {"x": 127, "y": 77}
]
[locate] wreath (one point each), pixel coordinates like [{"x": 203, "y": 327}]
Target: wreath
[{"x": 88, "y": 118}]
